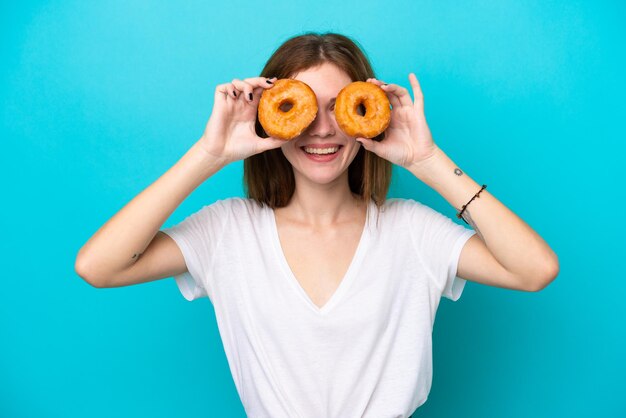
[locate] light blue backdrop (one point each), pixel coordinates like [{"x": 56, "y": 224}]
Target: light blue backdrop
[{"x": 98, "y": 99}]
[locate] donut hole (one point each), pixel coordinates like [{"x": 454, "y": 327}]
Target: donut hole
[
  {"x": 285, "y": 106},
  {"x": 361, "y": 109}
]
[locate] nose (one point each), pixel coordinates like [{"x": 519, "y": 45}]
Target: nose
[{"x": 323, "y": 125}]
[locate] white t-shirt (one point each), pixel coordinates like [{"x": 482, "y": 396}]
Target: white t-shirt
[{"x": 367, "y": 352}]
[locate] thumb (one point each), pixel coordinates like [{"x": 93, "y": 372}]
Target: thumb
[
  {"x": 368, "y": 144},
  {"x": 266, "y": 144}
]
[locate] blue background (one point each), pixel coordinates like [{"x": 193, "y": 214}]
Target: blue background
[{"x": 98, "y": 99}]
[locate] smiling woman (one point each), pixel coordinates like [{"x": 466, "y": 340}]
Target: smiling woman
[
  {"x": 316, "y": 167},
  {"x": 324, "y": 290},
  {"x": 269, "y": 178}
]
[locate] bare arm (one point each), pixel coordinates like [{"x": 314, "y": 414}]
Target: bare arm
[
  {"x": 121, "y": 241},
  {"x": 127, "y": 249},
  {"x": 506, "y": 252}
]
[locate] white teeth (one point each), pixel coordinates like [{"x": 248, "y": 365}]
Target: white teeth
[{"x": 321, "y": 150}]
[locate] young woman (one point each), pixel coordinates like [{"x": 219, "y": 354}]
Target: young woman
[{"x": 325, "y": 292}]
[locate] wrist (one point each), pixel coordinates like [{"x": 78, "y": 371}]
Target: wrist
[
  {"x": 207, "y": 158},
  {"x": 423, "y": 167},
  {"x": 200, "y": 164}
]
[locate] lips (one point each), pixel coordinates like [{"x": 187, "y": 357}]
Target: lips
[
  {"x": 321, "y": 152},
  {"x": 321, "y": 148}
]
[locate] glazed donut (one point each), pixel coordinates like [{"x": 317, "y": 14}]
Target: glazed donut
[
  {"x": 287, "y": 124},
  {"x": 377, "y": 110}
]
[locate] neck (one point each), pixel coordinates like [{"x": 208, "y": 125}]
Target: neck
[{"x": 323, "y": 204}]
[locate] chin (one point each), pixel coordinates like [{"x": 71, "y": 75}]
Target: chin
[{"x": 323, "y": 178}]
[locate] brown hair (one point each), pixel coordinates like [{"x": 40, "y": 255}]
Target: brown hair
[{"x": 268, "y": 176}]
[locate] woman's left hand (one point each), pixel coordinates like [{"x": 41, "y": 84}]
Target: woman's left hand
[{"x": 407, "y": 139}]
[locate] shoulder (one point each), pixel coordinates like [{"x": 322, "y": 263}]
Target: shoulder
[
  {"x": 413, "y": 212},
  {"x": 238, "y": 207},
  {"x": 401, "y": 206},
  {"x": 409, "y": 205}
]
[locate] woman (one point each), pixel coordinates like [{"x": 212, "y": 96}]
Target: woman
[{"x": 325, "y": 292}]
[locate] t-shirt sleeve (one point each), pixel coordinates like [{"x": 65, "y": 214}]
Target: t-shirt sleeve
[
  {"x": 197, "y": 236},
  {"x": 439, "y": 241}
]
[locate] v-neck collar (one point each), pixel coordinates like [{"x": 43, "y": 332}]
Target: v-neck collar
[{"x": 348, "y": 276}]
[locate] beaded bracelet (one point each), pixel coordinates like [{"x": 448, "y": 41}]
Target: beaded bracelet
[{"x": 460, "y": 214}]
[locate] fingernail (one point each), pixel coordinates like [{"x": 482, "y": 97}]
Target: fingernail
[{"x": 250, "y": 96}]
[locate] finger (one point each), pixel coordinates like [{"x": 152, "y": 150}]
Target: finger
[
  {"x": 251, "y": 86},
  {"x": 393, "y": 99},
  {"x": 263, "y": 82},
  {"x": 226, "y": 90},
  {"x": 269, "y": 143},
  {"x": 221, "y": 91},
  {"x": 369, "y": 144},
  {"x": 260, "y": 84},
  {"x": 232, "y": 92},
  {"x": 400, "y": 92},
  {"x": 244, "y": 89},
  {"x": 375, "y": 81},
  {"x": 418, "y": 97}
]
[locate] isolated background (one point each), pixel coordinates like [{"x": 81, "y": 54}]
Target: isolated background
[{"x": 98, "y": 99}]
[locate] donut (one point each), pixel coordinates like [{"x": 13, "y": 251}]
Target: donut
[
  {"x": 275, "y": 116},
  {"x": 377, "y": 110}
]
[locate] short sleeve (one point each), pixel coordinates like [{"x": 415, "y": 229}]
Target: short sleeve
[
  {"x": 439, "y": 241},
  {"x": 197, "y": 236}
]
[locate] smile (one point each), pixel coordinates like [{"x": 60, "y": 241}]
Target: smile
[
  {"x": 331, "y": 150},
  {"x": 322, "y": 153}
]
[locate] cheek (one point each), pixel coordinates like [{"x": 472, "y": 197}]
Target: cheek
[
  {"x": 285, "y": 151},
  {"x": 289, "y": 151},
  {"x": 354, "y": 151}
]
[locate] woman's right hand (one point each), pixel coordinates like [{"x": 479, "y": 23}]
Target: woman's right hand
[{"x": 229, "y": 134}]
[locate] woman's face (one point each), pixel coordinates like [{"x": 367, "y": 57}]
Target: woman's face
[{"x": 322, "y": 153}]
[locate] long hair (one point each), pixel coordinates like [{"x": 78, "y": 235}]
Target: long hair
[{"x": 268, "y": 176}]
